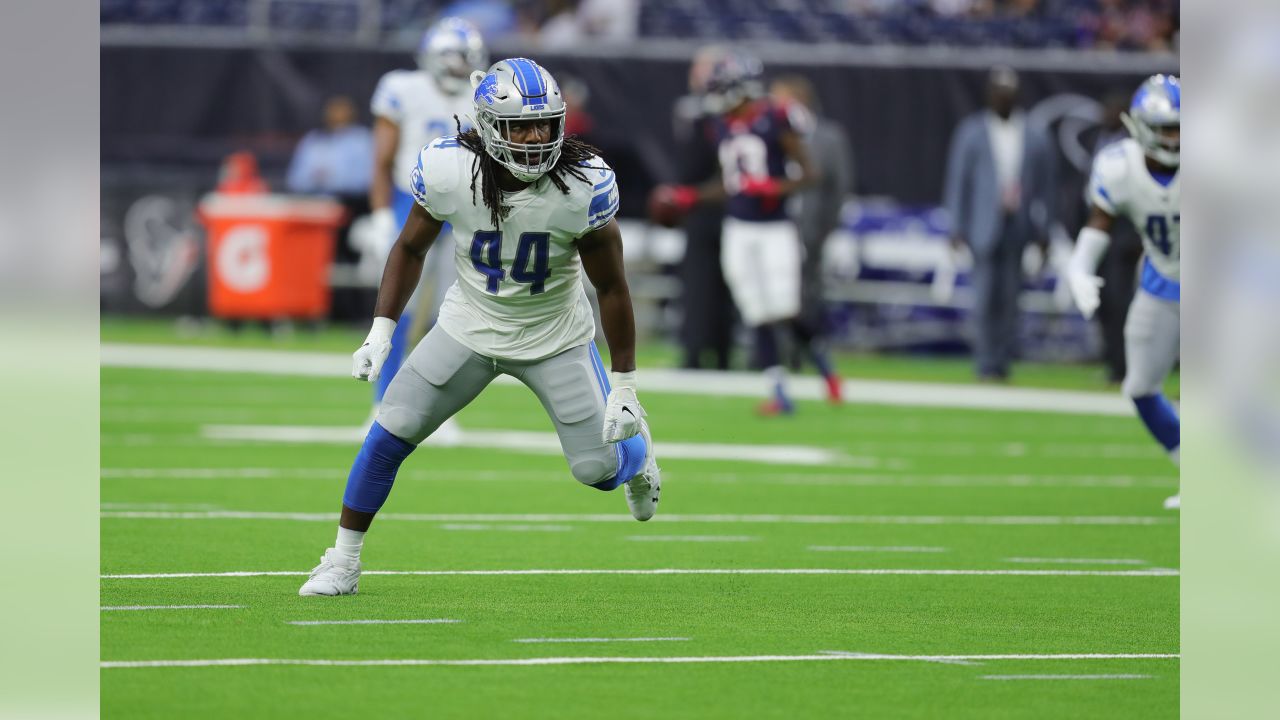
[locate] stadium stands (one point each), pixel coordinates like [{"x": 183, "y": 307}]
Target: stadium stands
[{"x": 1120, "y": 24}]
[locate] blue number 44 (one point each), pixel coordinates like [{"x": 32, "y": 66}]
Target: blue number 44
[{"x": 532, "y": 263}]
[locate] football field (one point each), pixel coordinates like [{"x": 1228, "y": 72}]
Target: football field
[{"x": 871, "y": 560}]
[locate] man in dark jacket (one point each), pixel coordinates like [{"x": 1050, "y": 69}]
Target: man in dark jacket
[{"x": 816, "y": 211}]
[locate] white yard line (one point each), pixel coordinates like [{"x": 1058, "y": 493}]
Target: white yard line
[
  {"x": 685, "y": 382},
  {"x": 881, "y": 656},
  {"x": 1152, "y": 572},
  {"x": 1067, "y": 677},
  {"x": 619, "y": 518},
  {"x": 425, "y": 621},
  {"x": 543, "y": 443},
  {"x": 877, "y": 548},
  {"x": 488, "y": 527},
  {"x": 1077, "y": 561},
  {"x": 170, "y": 607},
  {"x": 600, "y": 640},
  {"x": 692, "y": 538},
  {"x": 240, "y": 662}
]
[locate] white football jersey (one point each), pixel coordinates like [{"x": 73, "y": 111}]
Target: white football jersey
[
  {"x": 519, "y": 293},
  {"x": 414, "y": 101},
  {"x": 1122, "y": 185}
]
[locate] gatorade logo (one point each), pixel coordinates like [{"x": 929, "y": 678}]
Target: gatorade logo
[{"x": 242, "y": 262}]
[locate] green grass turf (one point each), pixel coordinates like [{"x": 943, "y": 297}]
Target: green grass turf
[
  {"x": 345, "y": 338},
  {"x": 903, "y": 462}
]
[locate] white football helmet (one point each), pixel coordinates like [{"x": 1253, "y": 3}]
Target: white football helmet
[
  {"x": 1156, "y": 108},
  {"x": 513, "y": 91},
  {"x": 450, "y": 50}
]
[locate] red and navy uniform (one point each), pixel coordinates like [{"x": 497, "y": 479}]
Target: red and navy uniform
[{"x": 752, "y": 159}]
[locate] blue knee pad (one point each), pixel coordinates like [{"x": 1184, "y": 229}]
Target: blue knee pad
[
  {"x": 1160, "y": 418},
  {"x": 399, "y": 339},
  {"x": 631, "y": 454},
  {"x": 374, "y": 470}
]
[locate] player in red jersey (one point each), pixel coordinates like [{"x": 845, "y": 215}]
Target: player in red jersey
[{"x": 762, "y": 161}]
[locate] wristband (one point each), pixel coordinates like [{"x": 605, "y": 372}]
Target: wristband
[
  {"x": 625, "y": 379},
  {"x": 684, "y": 196},
  {"x": 764, "y": 187},
  {"x": 383, "y": 328}
]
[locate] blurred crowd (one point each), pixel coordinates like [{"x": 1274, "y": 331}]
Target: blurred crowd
[{"x": 558, "y": 24}]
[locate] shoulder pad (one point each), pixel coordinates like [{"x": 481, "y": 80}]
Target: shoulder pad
[
  {"x": 597, "y": 173},
  {"x": 388, "y": 96},
  {"x": 439, "y": 174},
  {"x": 1109, "y": 177},
  {"x": 599, "y": 199}
]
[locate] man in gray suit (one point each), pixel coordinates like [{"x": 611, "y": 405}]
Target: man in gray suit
[{"x": 999, "y": 191}]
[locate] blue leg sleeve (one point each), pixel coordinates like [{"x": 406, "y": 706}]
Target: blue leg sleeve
[
  {"x": 374, "y": 470},
  {"x": 395, "y": 358},
  {"x": 1161, "y": 419},
  {"x": 631, "y": 454}
]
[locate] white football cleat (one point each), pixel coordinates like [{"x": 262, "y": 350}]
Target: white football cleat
[
  {"x": 1173, "y": 503},
  {"x": 643, "y": 489},
  {"x": 336, "y": 574}
]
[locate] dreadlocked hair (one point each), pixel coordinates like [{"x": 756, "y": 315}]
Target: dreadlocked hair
[{"x": 484, "y": 171}]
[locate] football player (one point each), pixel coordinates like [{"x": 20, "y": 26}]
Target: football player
[
  {"x": 758, "y": 146},
  {"x": 411, "y": 108},
  {"x": 1138, "y": 178},
  {"x": 531, "y": 211}
]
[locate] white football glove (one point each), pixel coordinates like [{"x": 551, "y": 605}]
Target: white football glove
[
  {"x": 1082, "y": 268},
  {"x": 367, "y": 361},
  {"x": 622, "y": 412},
  {"x": 1084, "y": 289}
]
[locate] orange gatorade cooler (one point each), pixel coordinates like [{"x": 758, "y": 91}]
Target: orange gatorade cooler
[{"x": 269, "y": 255}]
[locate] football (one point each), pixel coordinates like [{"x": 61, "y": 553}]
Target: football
[{"x": 663, "y": 208}]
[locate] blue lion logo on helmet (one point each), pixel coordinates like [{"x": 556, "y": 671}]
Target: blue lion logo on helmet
[{"x": 487, "y": 90}]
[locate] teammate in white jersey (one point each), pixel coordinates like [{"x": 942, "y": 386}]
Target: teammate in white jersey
[
  {"x": 532, "y": 211},
  {"x": 1138, "y": 178},
  {"x": 411, "y": 108}
]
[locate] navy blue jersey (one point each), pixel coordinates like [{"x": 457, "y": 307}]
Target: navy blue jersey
[{"x": 750, "y": 147}]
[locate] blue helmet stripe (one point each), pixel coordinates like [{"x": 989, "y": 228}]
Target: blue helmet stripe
[
  {"x": 1138, "y": 98},
  {"x": 529, "y": 81},
  {"x": 518, "y": 76},
  {"x": 1175, "y": 92},
  {"x": 540, "y": 87}
]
